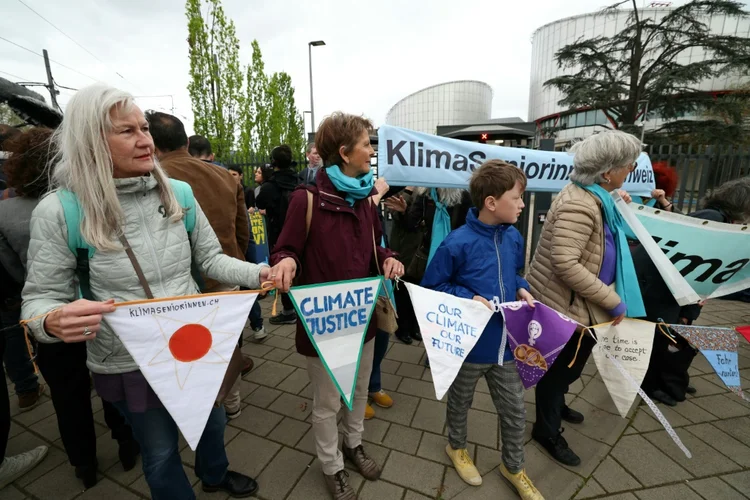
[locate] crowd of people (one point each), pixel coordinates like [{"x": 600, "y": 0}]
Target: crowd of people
[{"x": 134, "y": 239}]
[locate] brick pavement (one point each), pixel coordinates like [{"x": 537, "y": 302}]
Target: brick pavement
[{"x": 622, "y": 459}]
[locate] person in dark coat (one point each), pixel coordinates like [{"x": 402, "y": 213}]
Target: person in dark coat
[
  {"x": 667, "y": 378},
  {"x": 274, "y": 199},
  {"x": 419, "y": 218}
]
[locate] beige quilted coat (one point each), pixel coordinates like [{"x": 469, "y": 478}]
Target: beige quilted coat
[{"x": 564, "y": 272}]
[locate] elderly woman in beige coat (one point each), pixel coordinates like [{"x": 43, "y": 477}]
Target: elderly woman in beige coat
[{"x": 583, "y": 268}]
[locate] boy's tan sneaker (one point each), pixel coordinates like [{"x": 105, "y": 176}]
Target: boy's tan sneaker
[
  {"x": 521, "y": 482},
  {"x": 464, "y": 465}
]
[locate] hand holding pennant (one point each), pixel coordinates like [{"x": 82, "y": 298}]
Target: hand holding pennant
[
  {"x": 450, "y": 328},
  {"x": 183, "y": 347}
]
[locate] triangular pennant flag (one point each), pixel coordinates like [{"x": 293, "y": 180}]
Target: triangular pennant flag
[
  {"x": 744, "y": 331},
  {"x": 719, "y": 346},
  {"x": 536, "y": 336},
  {"x": 335, "y": 317},
  {"x": 630, "y": 343},
  {"x": 183, "y": 347},
  {"x": 450, "y": 327}
]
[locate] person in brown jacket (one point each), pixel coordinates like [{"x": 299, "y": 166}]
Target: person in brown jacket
[
  {"x": 218, "y": 194},
  {"x": 574, "y": 271}
]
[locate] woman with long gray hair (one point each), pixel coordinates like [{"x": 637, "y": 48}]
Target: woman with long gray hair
[
  {"x": 128, "y": 205},
  {"x": 582, "y": 267}
]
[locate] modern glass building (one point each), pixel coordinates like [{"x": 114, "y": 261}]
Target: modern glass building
[
  {"x": 547, "y": 40},
  {"x": 451, "y": 103}
]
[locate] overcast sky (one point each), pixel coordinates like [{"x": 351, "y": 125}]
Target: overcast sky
[{"x": 376, "y": 52}]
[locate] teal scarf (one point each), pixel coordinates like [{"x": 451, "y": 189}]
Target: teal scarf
[
  {"x": 441, "y": 225},
  {"x": 354, "y": 188},
  {"x": 626, "y": 281}
]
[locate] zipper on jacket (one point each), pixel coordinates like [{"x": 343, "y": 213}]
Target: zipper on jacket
[
  {"x": 149, "y": 244},
  {"x": 499, "y": 267},
  {"x": 504, "y": 337}
]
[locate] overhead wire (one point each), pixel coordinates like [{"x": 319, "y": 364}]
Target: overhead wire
[
  {"x": 77, "y": 43},
  {"x": 51, "y": 60},
  {"x": 16, "y": 76}
]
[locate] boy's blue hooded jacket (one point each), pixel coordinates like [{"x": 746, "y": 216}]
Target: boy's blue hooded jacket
[{"x": 484, "y": 260}]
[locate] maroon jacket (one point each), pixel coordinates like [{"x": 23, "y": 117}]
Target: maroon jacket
[{"x": 339, "y": 246}]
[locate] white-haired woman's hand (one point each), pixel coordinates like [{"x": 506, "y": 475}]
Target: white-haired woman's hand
[
  {"x": 624, "y": 195},
  {"x": 78, "y": 321},
  {"x": 282, "y": 274}
]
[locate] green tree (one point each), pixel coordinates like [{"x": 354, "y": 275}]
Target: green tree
[
  {"x": 285, "y": 123},
  {"x": 254, "y": 137},
  {"x": 725, "y": 121},
  {"x": 216, "y": 79},
  {"x": 640, "y": 64}
]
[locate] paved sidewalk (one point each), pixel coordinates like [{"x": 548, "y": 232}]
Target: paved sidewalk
[{"x": 623, "y": 459}]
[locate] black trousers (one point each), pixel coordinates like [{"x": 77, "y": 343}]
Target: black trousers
[
  {"x": 286, "y": 303},
  {"x": 4, "y": 406},
  {"x": 407, "y": 320},
  {"x": 551, "y": 389},
  {"x": 64, "y": 369}
]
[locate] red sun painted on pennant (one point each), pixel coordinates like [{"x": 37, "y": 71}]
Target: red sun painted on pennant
[{"x": 190, "y": 343}]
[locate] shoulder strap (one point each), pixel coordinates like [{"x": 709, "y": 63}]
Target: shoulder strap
[
  {"x": 374, "y": 244},
  {"x": 136, "y": 266},
  {"x": 73, "y": 214},
  {"x": 185, "y": 197},
  {"x": 308, "y": 215}
]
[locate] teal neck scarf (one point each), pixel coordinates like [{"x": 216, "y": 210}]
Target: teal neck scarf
[
  {"x": 354, "y": 188},
  {"x": 441, "y": 224},
  {"x": 626, "y": 281}
]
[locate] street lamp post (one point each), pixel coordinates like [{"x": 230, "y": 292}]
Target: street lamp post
[{"x": 310, "y": 45}]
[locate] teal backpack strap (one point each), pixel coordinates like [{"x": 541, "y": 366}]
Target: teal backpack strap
[
  {"x": 184, "y": 194},
  {"x": 73, "y": 215},
  {"x": 185, "y": 197}
]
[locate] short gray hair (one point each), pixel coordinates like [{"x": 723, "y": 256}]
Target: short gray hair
[
  {"x": 602, "y": 152},
  {"x": 732, "y": 198}
]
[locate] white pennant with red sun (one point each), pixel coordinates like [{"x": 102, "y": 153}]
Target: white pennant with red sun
[{"x": 183, "y": 347}]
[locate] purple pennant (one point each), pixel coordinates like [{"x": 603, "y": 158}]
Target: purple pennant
[{"x": 536, "y": 336}]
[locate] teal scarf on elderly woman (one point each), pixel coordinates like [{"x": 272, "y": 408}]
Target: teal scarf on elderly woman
[
  {"x": 441, "y": 224},
  {"x": 354, "y": 188},
  {"x": 626, "y": 281}
]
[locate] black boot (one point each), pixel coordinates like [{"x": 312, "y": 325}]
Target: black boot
[
  {"x": 663, "y": 397},
  {"x": 235, "y": 484},
  {"x": 558, "y": 448},
  {"x": 128, "y": 453},
  {"x": 87, "y": 474},
  {"x": 571, "y": 416},
  {"x": 404, "y": 337}
]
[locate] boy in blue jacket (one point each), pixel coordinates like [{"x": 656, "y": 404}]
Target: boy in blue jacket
[{"x": 482, "y": 261}]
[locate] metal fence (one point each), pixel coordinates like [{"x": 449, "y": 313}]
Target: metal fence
[
  {"x": 249, "y": 163},
  {"x": 701, "y": 169}
]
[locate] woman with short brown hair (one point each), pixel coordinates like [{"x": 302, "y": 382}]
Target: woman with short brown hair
[{"x": 338, "y": 246}]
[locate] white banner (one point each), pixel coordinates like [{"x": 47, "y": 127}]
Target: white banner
[
  {"x": 409, "y": 158},
  {"x": 336, "y": 316},
  {"x": 183, "y": 347},
  {"x": 630, "y": 343},
  {"x": 450, "y": 327},
  {"x": 698, "y": 259}
]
